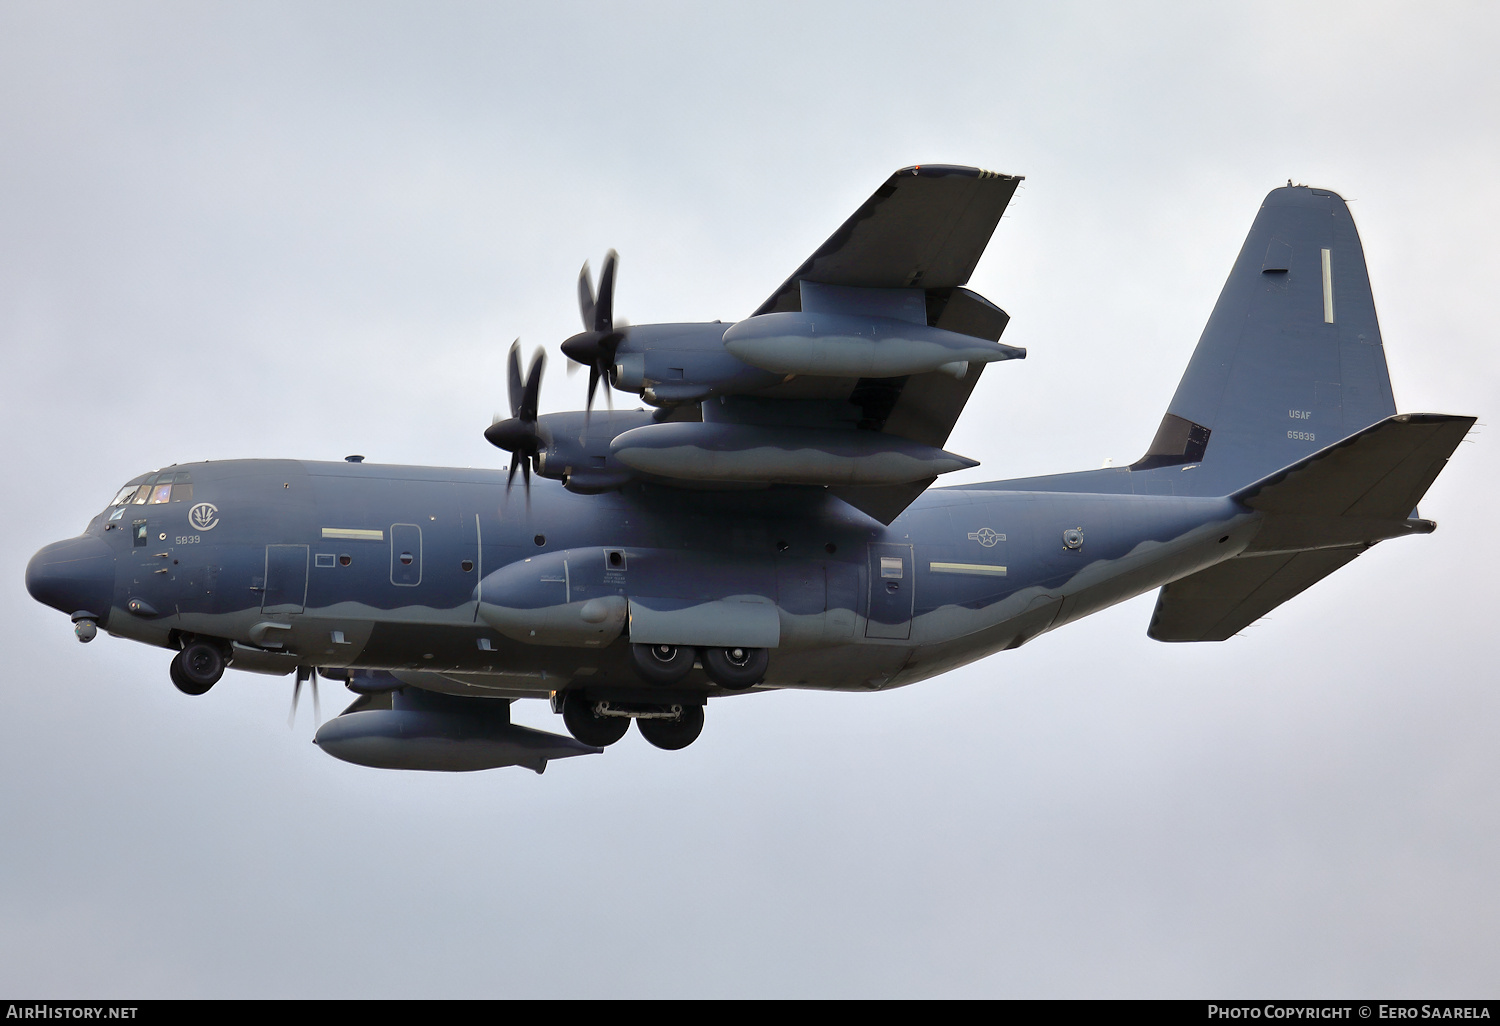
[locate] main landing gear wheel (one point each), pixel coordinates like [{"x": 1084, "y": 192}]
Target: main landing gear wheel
[
  {"x": 675, "y": 733},
  {"x": 736, "y": 668},
  {"x": 588, "y": 726},
  {"x": 662, "y": 664},
  {"x": 197, "y": 668}
]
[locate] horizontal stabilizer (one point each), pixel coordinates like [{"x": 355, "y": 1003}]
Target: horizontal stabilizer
[
  {"x": 1318, "y": 515},
  {"x": 1381, "y": 472},
  {"x": 1217, "y": 603}
]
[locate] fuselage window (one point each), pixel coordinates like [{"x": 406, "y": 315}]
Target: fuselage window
[{"x": 182, "y": 491}]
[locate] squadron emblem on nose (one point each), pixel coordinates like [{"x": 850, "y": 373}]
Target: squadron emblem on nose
[
  {"x": 986, "y": 537},
  {"x": 204, "y": 516}
]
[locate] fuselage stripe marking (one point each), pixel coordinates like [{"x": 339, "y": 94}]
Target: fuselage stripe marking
[
  {"x": 353, "y": 534},
  {"x": 988, "y": 569}
]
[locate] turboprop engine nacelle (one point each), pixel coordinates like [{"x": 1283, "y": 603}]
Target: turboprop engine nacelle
[{"x": 667, "y": 364}]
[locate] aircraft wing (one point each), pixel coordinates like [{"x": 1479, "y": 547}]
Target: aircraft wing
[
  {"x": 849, "y": 378},
  {"x": 926, "y": 227}
]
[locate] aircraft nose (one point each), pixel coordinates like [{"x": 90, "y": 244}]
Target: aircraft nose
[{"x": 77, "y": 575}]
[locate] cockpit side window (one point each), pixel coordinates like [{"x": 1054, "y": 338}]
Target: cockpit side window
[{"x": 167, "y": 486}]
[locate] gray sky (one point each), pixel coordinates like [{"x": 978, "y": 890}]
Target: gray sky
[{"x": 304, "y": 230}]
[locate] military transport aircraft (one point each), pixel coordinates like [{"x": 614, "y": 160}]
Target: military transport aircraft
[{"x": 768, "y": 522}]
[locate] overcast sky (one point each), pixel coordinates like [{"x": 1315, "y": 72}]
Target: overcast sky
[{"x": 309, "y": 229}]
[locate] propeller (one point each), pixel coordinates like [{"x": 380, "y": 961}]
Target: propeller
[
  {"x": 305, "y": 673},
  {"x": 595, "y": 346},
  {"x": 518, "y": 434}
]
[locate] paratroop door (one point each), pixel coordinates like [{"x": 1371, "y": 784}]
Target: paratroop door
[
  {"x": 286, "y": 579},
  {"x": 891, "y": 591}
]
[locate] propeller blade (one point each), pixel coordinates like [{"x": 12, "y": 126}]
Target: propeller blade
[
  {"x": 317, "y": 708},
  {"x": 529, "y": 395},
  {"x": 586, "y": 297},
  {"x": 593, "y": 383},
  {"x": 515, "y": 377},
  {"x": 291, "y": 717},
  {"x": 601, "y": 337},
  {"x": 604, "y": 306}
]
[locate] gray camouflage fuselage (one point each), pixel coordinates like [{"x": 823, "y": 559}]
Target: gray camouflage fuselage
[{"x": 304, "y": 567}]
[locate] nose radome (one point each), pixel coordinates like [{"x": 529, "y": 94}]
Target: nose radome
[{"x": 77, "y": 575}]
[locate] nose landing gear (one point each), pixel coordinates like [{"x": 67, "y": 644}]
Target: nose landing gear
[{"x": 197, "y": 667}]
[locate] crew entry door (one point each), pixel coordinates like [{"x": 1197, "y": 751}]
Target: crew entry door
[{"x": 286, "y": 579}]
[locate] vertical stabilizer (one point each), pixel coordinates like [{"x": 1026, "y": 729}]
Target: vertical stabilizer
[{"x": 1291, "y": 360}]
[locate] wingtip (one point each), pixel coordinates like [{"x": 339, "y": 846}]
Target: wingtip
[{"x": 946, "y": 170}]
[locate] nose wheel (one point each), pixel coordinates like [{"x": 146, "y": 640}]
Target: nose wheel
[{"x": 197, "y": 668}]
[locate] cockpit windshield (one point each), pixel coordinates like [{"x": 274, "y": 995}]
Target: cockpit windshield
[{"x": 153, "y": 489}]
